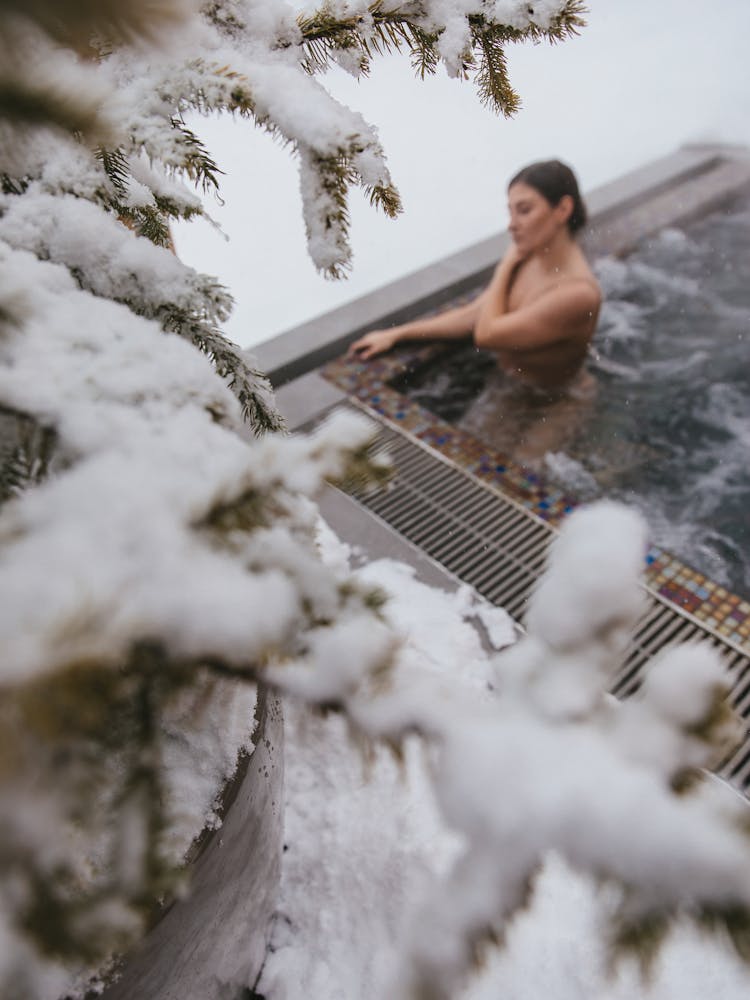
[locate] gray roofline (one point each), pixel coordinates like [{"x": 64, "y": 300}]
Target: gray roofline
[{"x": 668, "y": 191}]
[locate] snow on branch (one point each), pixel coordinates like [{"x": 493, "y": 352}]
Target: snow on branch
[
  {"x": 44, "y": 85},
  {"x": 256, "y": 60},
  {"x": 153, "y": 561},
  {"x": 109, "y": 261},
  {"x": 259, "y": 64},
  {"x": 466, "y": 36},
  {"x": 74, "y": 21},
  {"x": 164, "y": 556},
  {"x": 549, "y": 764},
  {"x": 336, "y": 146}
]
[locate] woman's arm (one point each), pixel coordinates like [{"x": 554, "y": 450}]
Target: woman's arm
[
  {"x": 496, "y": 297},
  {"x": 564, "y": 312},
  {"x": 448, "y": 325}
]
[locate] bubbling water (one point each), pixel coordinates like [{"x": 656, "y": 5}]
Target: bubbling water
[{"x": 670, "y": 431}]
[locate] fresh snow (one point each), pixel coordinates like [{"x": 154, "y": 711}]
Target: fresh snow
[
  {"x": 365, "y": 847},
  {"x": 161, "y": 524}
]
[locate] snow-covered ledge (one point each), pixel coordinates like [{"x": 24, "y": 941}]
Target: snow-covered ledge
[{"x": 212, "y": 943}]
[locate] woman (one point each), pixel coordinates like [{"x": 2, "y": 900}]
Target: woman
[{"x": 537, "y": 315}]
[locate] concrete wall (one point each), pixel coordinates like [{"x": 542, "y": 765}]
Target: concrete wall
[{"x": 211, "y": 944}]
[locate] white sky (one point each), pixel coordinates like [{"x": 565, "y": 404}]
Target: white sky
[{"x": 643, "y": 78}]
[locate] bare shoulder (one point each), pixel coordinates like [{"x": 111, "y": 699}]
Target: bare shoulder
[
  {"x": 575, "y": 294},
  {"x": 570, "y": 310},
  {"x": 584, "y": 288},
  {"x": 582, "y": 280}
]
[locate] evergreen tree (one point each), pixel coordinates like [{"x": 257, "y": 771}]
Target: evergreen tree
[{"x": 156, "y": 560}]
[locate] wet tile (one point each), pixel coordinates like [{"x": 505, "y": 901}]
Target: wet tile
[{"x": 369, "y": 382}]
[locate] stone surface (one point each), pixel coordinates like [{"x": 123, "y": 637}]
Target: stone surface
[{"x": 211, "y": 945}]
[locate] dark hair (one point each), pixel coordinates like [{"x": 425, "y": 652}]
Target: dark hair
[{"x": 553, "y": 179}]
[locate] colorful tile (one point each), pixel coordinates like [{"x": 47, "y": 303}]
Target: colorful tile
[{"x": 369, "y": 383}]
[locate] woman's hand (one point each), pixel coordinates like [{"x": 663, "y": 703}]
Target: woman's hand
[
  {"x": 494, "y": 302},
  {"x": 509, "y": 261},
  {"x": 373, "y": 343}
]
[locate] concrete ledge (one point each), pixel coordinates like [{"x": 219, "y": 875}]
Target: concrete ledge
[
  {"x": 665, "y": 192},
  {"x": 653, "y": 179},
  {"x": 311, "y": 344},
  {"x": 212, "y": 944},
  {"x": 696, "y": 192},
  {"x": 372, "y": 538},
  {"x": 306, "y": 399}
]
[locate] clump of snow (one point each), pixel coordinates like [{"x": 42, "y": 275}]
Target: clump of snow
[
  {"x": 205, "y": 728},
  {"x": 109, "y": 260},
  {"x": 125, "y": 545},
  {"x": 500, "y": 801},
  {"x": 681, "y": 684},
  {"x": 161, "y": 533},
  {"x": 584, "y": 595}
]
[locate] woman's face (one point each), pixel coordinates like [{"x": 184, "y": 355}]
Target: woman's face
[{"x": 534, "y": 223}]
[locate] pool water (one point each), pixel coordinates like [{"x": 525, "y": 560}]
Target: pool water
[{"x": 670, "y": 430}]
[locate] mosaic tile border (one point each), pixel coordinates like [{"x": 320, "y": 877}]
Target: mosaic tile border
[{"x": 725, "y": 613}]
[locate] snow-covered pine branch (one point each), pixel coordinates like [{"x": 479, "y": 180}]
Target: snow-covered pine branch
[
  {"x": 39, "y": 81},
  {"x": 163, "y": 555},
  {"x": 257, "y": 60},
  {"x": 152, "y": 561},
  {"x": 72, "y": 22},
  {"x": 549, "y": 764},
  {"x": 467, "y": 36}
]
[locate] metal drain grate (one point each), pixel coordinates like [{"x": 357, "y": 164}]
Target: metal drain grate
[
  {"x": 499, "y": 548},
  {"x": 482, "y": 537}
]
